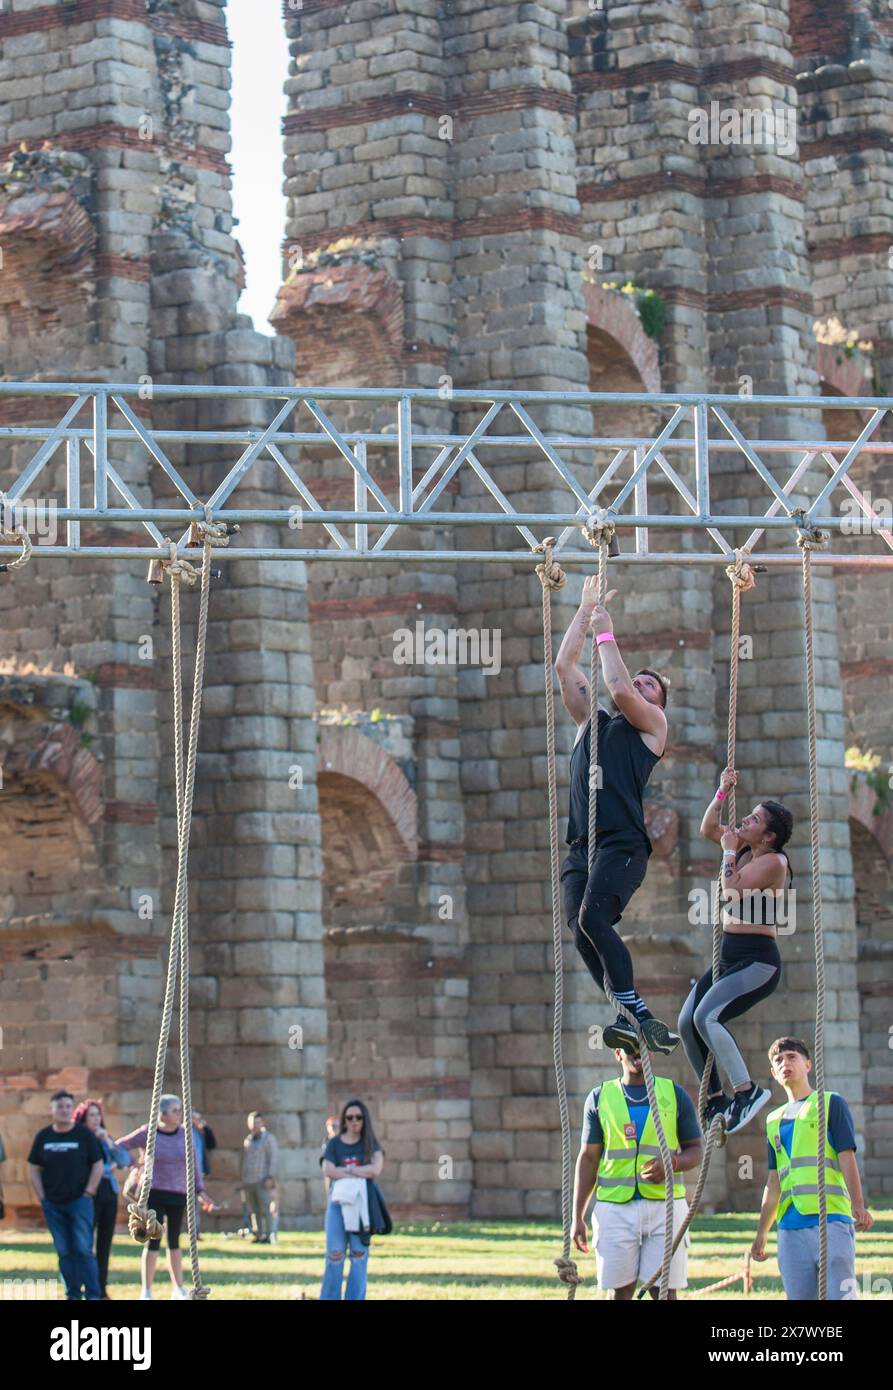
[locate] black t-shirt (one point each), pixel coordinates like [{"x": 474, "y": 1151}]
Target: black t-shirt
[
  {"x": 625, "y": 763},
  {"x": 66, "y": 1160},
  {"x": 345, "y": 1155}
]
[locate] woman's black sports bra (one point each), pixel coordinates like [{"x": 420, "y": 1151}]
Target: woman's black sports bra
[{"x": 758, "y": 900}]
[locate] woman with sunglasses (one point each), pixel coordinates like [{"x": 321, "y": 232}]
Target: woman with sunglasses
[{"x": 354, "y": 1152}]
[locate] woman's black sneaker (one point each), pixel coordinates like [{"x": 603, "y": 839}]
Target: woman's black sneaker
[
  {"x": 716, "y": 1105},
  {"x": 745, "y": 1104},
  {"x": 622, "y": 1033},
  {"x": 658, "y": 1037}
]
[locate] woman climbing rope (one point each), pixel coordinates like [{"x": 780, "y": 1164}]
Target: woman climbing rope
[
  {"x": 630, "y": 745},
  {"x": 755, "y": 871}
]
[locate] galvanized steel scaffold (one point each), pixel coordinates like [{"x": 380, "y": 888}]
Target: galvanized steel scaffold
[{"x": 104, "y": 417}]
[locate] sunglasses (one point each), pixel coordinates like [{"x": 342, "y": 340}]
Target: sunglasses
[{"x": 357, "y": 1118}]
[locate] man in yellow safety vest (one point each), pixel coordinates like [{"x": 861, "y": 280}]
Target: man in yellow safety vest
[
  {"x": 791, "y": 1190},
  {"x": 620, "y": 1160}
]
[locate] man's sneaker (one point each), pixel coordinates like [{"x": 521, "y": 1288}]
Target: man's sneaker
[
  {"x": 145, "y": 1293},
  {"x": 716, "y": 1105},
  {"x": 658, "y": 1037},
  {"x": 178, "y": 1292},
  {"x": 622, "y": 1033},
  {"x": 745, "y": 1104}
]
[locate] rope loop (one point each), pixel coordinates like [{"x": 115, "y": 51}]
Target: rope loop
[
  {"x": 741, "y": 573},
  {"x": 809, "y": 537},
  {"x": 552, "y": 576},
  {"x": 567, "y": 1271},
  {"x": 11, "y": 534},
  {"x": 143, "y": 1224},
  {"x": 177, "y": 566},
  {"x": 201, "y": 1292},
  {"x": 599, "y": 527}
]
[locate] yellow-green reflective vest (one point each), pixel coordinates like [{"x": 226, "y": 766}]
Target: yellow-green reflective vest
[
  {"x": 798, "y": 1176},
  {"x": 623, "y": 1156}
]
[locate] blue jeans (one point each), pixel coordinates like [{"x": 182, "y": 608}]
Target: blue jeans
[
  {"x": 71, "y": 1226},
  {"x": 336, "y": 1241}
]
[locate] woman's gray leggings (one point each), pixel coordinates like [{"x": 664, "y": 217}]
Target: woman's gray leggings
[{"x": 741, "y": 985}]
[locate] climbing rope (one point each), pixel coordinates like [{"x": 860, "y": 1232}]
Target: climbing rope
[
  {"x": 142, "y": 1222},
  {"x": 599, "y": 530},
  {"x": 742, "y": 579},
  {"x": 810, "y": 538},
  {"x": 553, "y": 578}
]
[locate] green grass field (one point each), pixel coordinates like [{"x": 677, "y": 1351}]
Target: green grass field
[{"x": 487, "y": 1260}]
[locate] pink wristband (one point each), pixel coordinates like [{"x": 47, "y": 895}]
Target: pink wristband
[
  {"x": 720, "y": 795},
  {"x": 604, "y": 637}
]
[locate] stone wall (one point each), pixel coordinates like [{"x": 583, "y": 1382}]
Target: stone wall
[{"x": 462, "y": 181}]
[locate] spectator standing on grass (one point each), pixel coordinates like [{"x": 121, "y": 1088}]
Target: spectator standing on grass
[
  {"x": 259, "y": 1157},
  {"x": 105, "y": 1205},
  {"x": 353, "y": 1153},
  {"x": 65, "y": 1165},
  {"x": 167, "y": 1195}
]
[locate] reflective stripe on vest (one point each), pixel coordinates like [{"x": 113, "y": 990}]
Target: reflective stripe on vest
[
  {"x": 620, "y": 1164},
  {"x": 802, "y": 1188}
]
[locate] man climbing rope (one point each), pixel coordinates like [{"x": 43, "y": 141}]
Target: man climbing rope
[
  {"x": 791, "y": 1190},
  {"x": 619, "y": 1157},
  {"x": 630, "y": 745},
  {"x": 755, "y": 871}
]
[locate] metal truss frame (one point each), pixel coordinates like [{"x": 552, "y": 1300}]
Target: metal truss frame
[{"x": 699, "y": 428}]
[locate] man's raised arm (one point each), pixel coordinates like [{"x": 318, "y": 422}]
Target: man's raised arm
[{"x": 571, "y": 679}]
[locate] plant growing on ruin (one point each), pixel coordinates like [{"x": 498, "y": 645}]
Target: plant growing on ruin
[
  {"x": 831, "y": 333},
  {"x": 650, "y": 306},
  {"x": 866, "y": 766}
]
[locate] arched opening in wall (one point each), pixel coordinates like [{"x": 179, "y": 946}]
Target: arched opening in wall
[
  {"x": 46, "y": 850},
  {"x": 874, "y": 925},
  {"x": 363, "y": 854}
]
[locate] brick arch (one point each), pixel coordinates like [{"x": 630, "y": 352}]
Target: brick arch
[
  {"x": 346, "y": 322},
  {"x": 842, "y": 375},
  {"x": 611, "y": 318},
  {"x": 50, "y": 754},
  {"x": 861, "y": 810},
  {"x": 50, "y": 803},
  {"x": 345, "y": 752},
  {"x": 49, "y": 265}
]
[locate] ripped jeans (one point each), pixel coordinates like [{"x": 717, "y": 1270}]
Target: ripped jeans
[{"x": 338, "y": 1241}]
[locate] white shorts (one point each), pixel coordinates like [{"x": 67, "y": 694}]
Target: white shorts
[{"x": 629, "y": 1242}]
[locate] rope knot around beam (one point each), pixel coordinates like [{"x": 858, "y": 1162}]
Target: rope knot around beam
[
  {"x": 741, "y": 573},
  {"x": 10, "y": 535},
  {"x": 599, "y": 527},
  {"x": 552, "y": 576},
  {"x": 177, "y": 566},
  {"x": 809, "y": 537}
]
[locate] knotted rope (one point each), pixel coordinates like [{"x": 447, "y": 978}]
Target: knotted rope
[
  {"x": 810, "y": 538},
  {"x": 599, "y": 530},
  {"x": 180, "y": 570},
  {"x": 8, "y": 535},
  {"x": 553, "y": 578},
  {"x": 743, "y": 579}
]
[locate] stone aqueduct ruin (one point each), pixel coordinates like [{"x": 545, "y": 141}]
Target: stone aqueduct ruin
[{"x": 324, "y": 907}]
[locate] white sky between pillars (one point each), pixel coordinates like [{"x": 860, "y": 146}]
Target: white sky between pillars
[{"x": 399, "y": 473}]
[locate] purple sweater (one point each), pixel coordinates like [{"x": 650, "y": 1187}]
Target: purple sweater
[{"x": 169, "y": 1173}]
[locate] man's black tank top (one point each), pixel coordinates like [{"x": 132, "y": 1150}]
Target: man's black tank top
[{"x": 626, "y": 764}]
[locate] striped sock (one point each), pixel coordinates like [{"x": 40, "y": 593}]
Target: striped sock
[{"x": 629, "y": 999}]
